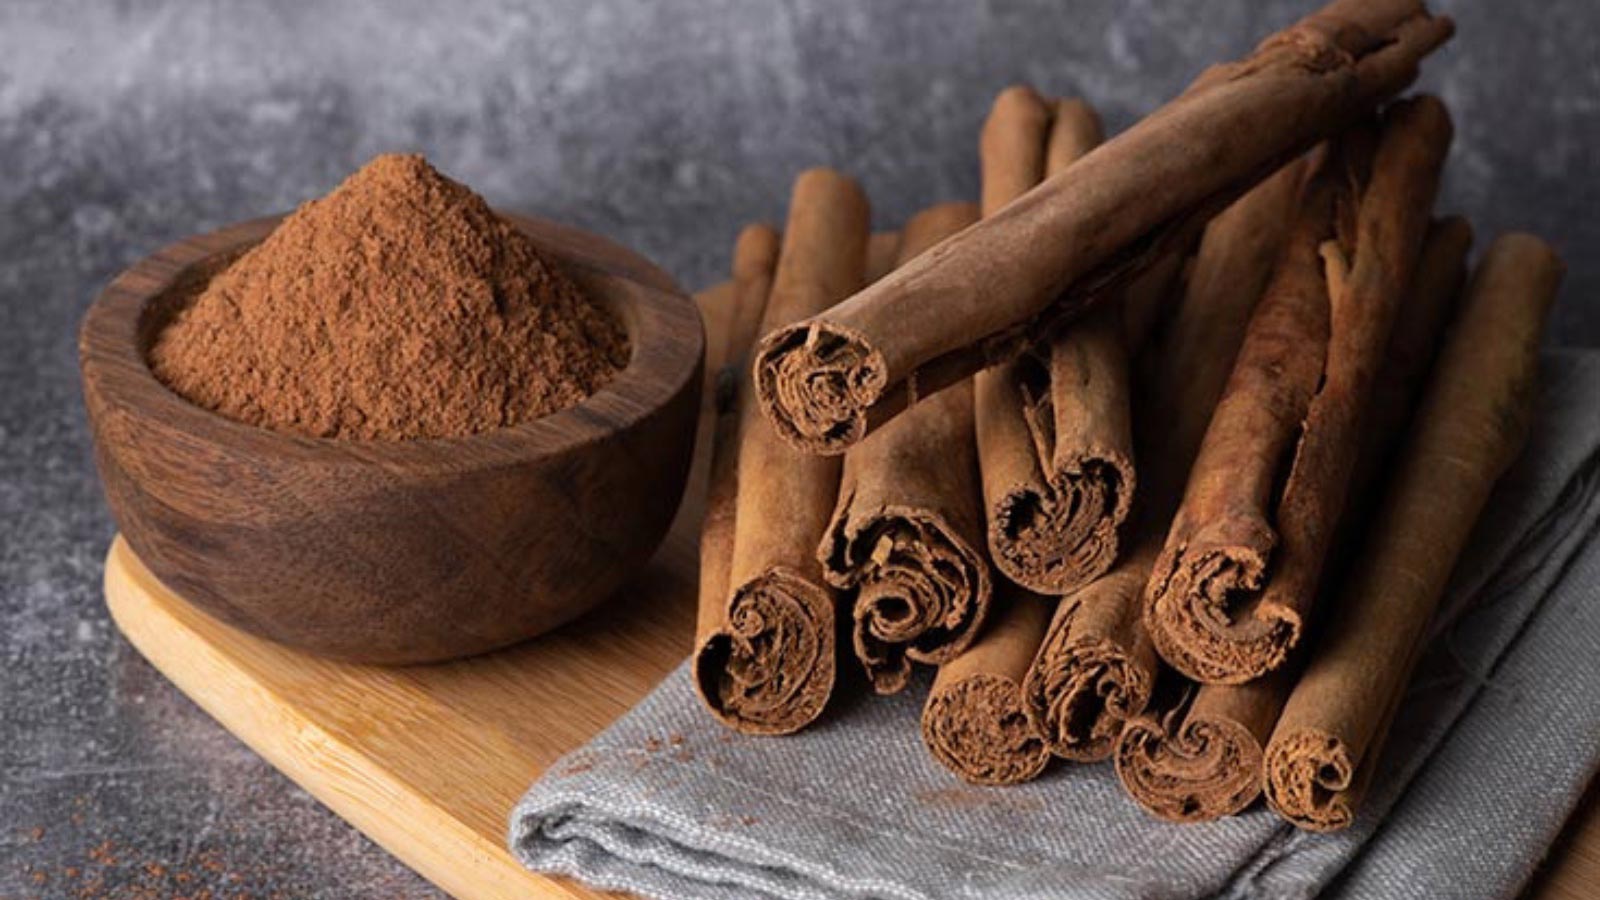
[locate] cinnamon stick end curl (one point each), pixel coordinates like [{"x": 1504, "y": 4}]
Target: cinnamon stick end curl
[
  {"x": 1307, "y": 778},
  {"x": 771, "y": 668},
  {"x": 1058, "y": 540},
  {"x": 976, "y": 728},
  {"x": 814, "y": 381},
  {"x": 1079, "y": 696},
  {"x": 1202, "y": 770},
  {"x": 1204, "y": 610}
]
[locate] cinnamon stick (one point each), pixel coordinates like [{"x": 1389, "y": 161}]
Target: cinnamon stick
[
  {"x": 1230, "y": 592},
  {"x": 1200, "y": 758},
  {"x": 766, "y": 657},
  {"x": 1054, "y": 430},
  {"x": 1096, "y": 668},
  {"x": 907, "y": 534},
  {"x": 973, "y": 722},
  {"x": 1012, "y": 150},
  {"x": 1471, "y": 425},
  {"x": 755, "y": 258},
  {"x": 981, "y": 295}
]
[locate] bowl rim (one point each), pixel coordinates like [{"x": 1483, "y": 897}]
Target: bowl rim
[{"x": 665, "y": 334}]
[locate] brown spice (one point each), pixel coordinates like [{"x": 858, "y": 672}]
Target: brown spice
[
  {"x": 111, "y": 868},
  {"x": 765, "y": 661},
  {"x": 104, "y": 853},
  {"x": 1469, "y": 428},
  {"x": 399, "y": 306},
  {"x": 1228, "y": 598}
]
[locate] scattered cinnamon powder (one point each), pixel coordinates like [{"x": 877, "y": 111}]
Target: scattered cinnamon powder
[
  {"x": 112, "y": 869},
  {"x": 399, "y": 306}
]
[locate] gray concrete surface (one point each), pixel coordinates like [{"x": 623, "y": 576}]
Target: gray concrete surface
[{"x": 665, "y": 125}]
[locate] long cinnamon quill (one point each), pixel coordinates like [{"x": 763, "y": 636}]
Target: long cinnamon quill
[
  {"x": 1243, "y": 559},
  {"x": 1471, "y": 425},
  {"x": 755, "y": 259},
  {"x": 1198, "y": 756},
  {"x": 973, "y": 300},
  {"x": 1054, "y": 431},
  {"x": 907, "y": 534},
  {"x": 766, "y": 657}
]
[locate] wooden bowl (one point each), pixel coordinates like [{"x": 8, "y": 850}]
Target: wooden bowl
[{"x": 395, "y": 551}]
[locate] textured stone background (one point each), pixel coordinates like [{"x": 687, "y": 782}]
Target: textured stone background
[{"x": 664, "y": 124}]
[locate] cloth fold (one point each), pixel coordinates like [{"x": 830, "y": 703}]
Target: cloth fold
[{"x": 1495, "y": 744}]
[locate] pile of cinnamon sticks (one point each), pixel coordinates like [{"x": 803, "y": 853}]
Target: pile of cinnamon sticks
[{"x": 1162, "y": 453}]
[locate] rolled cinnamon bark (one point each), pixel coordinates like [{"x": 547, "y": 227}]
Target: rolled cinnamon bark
[
  {"x": 766, "y": 658},
  {"x": 907, "y": 534},
  {"x": 1054, "y": 431},
  {"x": 1012, "y": 150},
  {"x": 1471, "y": 424},
  {"x": 1004, "y": 282},
  {"x": 1097, "y": 667},
  {"x": 755, "y": 258},
  {"x": 1200, "y": 758},
  {"x": 1230, "y": 592},
  {"x": 973, "y": 722}
]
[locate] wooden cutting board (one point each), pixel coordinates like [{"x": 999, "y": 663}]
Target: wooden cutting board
[{"x": 429, "y": 760}]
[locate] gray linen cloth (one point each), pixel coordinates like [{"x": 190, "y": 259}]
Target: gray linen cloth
[{"x": 1499, "y": 734}]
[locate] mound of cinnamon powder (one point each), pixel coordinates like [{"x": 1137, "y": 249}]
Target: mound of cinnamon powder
[{"x": 398, "y": 306}]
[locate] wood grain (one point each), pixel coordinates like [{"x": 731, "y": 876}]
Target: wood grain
[
  {"x": 1571, "y": 871},
  {"x": 429, "y": 760},
  {"x": 395, "y": 551}
]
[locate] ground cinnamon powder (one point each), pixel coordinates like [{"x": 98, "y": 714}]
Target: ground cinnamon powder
[{"x": 398, "y": 306}]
